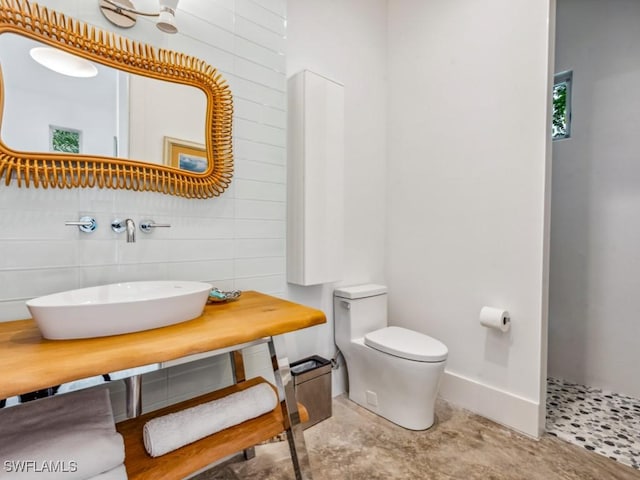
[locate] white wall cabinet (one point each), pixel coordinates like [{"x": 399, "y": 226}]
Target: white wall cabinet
[{"x": 315, "y": 185}]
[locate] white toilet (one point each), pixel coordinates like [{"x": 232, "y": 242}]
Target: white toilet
[{"x": 393, "y": 371}]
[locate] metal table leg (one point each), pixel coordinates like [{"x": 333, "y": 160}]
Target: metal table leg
[
  {"x": 295, "y": 434},
  {"x": 133, "y": 388},
  {"x": 238, "y": 374}
]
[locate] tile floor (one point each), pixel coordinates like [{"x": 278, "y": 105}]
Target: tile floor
[
  {"x": 603, "y": 422},
  {"x": 355, "y": 444}
]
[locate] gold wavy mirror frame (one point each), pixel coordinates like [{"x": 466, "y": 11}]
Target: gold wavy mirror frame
[{"x": 63, "y": 171}]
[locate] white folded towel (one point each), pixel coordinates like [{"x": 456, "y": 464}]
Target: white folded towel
[
  {"x": 69, "y": 436},
  {"x": 170, "y": 432},
  {"x": 118, "y": 473}
]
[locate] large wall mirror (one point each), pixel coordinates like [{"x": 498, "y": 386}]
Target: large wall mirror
[{"x": 139, "y": 118}]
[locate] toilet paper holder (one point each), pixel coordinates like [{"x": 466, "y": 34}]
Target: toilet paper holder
[{"x": 495, "y": 318}]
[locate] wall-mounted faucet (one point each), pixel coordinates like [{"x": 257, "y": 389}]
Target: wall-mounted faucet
[
  {"x": 127, "y": 225},
  {"x": 131, "y": 230}
]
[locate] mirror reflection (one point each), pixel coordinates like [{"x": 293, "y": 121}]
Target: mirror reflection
[{"x": 112, "y": 113}]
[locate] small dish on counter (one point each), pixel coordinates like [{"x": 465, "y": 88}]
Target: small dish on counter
[{"x": 218, "y": 296}]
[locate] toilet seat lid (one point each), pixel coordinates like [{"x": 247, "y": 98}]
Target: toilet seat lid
[{"x": 408, "y": 344}]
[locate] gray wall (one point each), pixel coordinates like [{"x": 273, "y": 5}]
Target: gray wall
[{"x": 594, "y": 323}]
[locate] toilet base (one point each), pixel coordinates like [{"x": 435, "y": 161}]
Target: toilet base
[{"x": 400, "y": 390}]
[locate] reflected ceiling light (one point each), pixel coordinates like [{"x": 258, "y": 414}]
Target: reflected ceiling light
[
  {"x": 63, "y": 62},
  {"x": 123, "y": 13}
]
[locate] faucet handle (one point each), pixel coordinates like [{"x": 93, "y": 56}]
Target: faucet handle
[
  {"x": 118, "y": 225},
  {"x": 85, "y": 224},
  {"x": 148, "y": 225}
]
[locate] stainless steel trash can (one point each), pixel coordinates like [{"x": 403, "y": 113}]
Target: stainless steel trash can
[{"x": 312, "y": 382}]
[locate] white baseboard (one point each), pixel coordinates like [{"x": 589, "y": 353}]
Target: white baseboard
[{"x": 505, "y": 408}]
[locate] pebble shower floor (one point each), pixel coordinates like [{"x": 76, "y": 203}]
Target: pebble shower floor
[{"x": 603, "y": 422}]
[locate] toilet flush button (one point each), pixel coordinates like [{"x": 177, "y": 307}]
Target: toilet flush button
[{"x": 372, "y": 398}]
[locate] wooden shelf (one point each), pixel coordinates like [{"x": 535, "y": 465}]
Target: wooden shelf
[{"x": 193, "y": 457}]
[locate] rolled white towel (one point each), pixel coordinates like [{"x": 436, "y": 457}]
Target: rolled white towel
[{"x": 170, "y": 432}]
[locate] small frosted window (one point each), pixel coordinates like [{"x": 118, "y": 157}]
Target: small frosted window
[{"x": 561, "y": 126}]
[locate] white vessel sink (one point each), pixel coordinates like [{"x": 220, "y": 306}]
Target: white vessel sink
[{"x": 117, "y": 308}]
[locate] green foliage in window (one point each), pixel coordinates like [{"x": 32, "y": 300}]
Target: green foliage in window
[
  {"x": 560, "y": 117},
  {"x": 65, "y": 141}
]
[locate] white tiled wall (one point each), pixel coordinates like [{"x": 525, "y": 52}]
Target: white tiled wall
[{"x": 234, "y": 241}]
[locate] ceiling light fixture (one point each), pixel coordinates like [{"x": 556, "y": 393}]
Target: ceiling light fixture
[
  {"x": 123, "y": 14},
  {"x": 63, "y": 62}
]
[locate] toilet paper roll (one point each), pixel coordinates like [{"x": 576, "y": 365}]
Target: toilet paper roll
[{"x": 495, "y": 318}]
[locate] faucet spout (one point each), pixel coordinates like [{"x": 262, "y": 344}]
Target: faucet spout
[{"x": 131, "y": 230}]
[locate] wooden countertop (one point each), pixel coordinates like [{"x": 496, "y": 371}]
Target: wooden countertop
[{"x": 29, "y": 362}]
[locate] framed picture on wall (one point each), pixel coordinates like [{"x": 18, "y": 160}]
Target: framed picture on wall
[
  {"x": 185, "y": 155},
  {"x": 62, "y": 139}
]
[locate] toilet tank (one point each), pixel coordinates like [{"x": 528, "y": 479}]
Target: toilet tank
[{"x": 358, "y": 310}]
